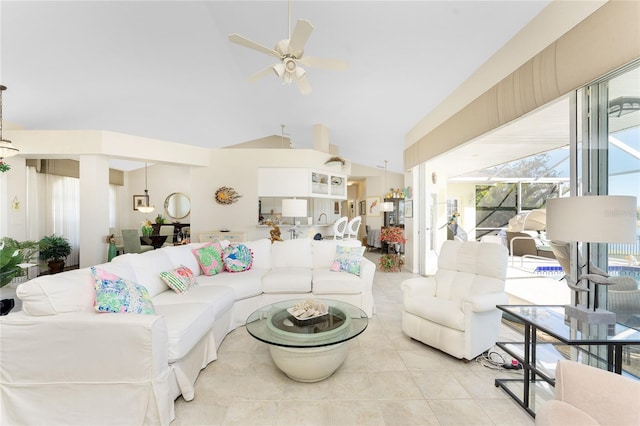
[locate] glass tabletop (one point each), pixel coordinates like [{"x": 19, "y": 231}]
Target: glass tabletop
[
  {"x": 275, "y": 325},
  {"x": 552, "y": 320}
]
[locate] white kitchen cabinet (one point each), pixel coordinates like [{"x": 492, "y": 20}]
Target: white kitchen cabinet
[{"x": 301, "y": 182}]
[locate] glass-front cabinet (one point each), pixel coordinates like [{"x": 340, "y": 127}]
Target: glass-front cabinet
[
  {"x": 328, "y": 185},
  {"x": 301, "y": 182}
]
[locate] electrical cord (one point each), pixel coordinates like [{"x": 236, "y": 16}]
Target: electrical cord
[{"x": 495, "y": 361}]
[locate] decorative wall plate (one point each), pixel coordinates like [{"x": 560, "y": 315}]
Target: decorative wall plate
[
  {"x": 336, "y": 180},
  {"x": 226, "y": 195}
]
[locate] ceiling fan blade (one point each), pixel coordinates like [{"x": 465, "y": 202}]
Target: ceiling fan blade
[
  {"x": 326, "y": 63},
  {"x": 268, "y": 70},
  {"x": 299, "y": 38},
  {"x": 303, "y": 85},
  {"x": 242, "y": 41}
]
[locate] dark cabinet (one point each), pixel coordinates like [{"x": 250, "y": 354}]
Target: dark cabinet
[{"x": 393, "y": 218}]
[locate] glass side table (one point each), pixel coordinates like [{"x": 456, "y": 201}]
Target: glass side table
[{"x": 538, "y": 358}]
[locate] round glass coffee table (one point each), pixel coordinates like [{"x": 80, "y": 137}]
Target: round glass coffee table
[{"x": 307, "y": 350}]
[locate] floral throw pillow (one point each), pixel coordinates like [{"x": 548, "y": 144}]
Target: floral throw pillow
[
  {"x": 210, "y": 258},
  {"x": 237, "y": 258},
  {"x": 348, "y": 259},
  {"x": 117, "y": 295},
  {"x": 180, "y": 279}
]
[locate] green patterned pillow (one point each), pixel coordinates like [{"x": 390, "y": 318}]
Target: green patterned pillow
[
  {"x": 348, "y": 259},
  {"x": 210, "y": 258},
  {"x": 117, "y": 295},
  {"x": 180, "y": 279}
]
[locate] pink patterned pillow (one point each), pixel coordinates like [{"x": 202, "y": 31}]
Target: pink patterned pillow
[{"x": 210, "y": 258}]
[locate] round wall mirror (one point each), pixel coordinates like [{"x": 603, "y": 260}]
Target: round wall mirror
[{"x": 177, "y": 205}]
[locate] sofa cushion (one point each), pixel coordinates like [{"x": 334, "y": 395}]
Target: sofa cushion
[
  {"x": 291, "y": 253},
  {"x": 209, "y": 258},
  {"x": 186, "y": 324},
  {"x": 244, "y": 285},
  {"x": 220, "y": 297},
  {"x": 182, "y": 255},
  {"x": 237, "y": 258},
  {"x": 287, "y": 280},
  {"x": 326, "y": 281},
  {"x": 70, "y": 291},
  {"x": 347, "y": 259},
  {"x": 180, "y": 279},
  {"x": 117, "y": 295},
  {"x": 323, "y": 252},
  {"x": 147, "y": 267},
  {"x": 261, "y": 250}
]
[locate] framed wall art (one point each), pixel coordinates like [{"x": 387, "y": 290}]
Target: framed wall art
[
  {"x": 408, "y": 208},
  {"x": 373, "y": 206}
]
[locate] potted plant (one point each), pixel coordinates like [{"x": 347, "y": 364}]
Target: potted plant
[
  {"x": 27, "y": 249},
  {"x": 10, "y": 259},
  {"x": 54, "y": 249},
  {"x": 392, "y": 235}
]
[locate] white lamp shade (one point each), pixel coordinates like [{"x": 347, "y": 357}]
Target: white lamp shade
[
  {"x": 294, "y": 208},
  {"x": 593, "y": 219},
  {"x": 386, "y": 206}
]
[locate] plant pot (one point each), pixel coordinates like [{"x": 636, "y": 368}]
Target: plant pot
[{"x": 55, "y": 266}]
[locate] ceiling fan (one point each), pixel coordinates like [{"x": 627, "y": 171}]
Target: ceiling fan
[{"x": 290, "y": 52}]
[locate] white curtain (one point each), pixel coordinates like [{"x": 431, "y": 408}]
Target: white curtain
[{"x": 58, "y": 202}]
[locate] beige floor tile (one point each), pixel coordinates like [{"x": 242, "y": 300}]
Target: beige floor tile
[
  {"x": 506, "y": 412},
  {"x": 355, "y": 413},
  {"x": 303, "y": 413},
  {"x": 258, "y": 413},
  {"x": 459, "y": 412},
  {"x": 439, "y": 384},
  {"x": 407, "y": 412}
]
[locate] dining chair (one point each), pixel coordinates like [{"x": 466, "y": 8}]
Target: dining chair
[
  {"x": 353, "y": 226},
  {"x": 340, "y": 227},
  {"x": 131, "y": 240}
]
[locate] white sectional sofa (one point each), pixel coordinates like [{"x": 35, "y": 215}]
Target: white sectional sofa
[{"x": 64, "y": 363}]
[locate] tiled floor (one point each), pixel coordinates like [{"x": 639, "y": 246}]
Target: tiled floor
[{"x": 387, "y": 379}]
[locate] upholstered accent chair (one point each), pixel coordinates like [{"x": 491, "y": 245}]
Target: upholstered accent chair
[
  {"x": 455, "y": 310},
  {"x": 131, "y": 242},
  {"x": 587, "y": 395}
]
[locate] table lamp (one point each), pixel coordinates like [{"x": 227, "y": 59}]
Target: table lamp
[
  {"x": 294, "y": 208},
  {"x": 592, "y": 219}
]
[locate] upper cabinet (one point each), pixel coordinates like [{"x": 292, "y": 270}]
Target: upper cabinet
[
  {"x": 328, "y": 185},
  {"x": 300, "y": 182}
]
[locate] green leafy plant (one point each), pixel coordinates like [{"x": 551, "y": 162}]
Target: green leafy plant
[
  {"x": 28, "y": 250},
  {"x": 54, "y": 248},
  {"x": 10, "y": 258}
]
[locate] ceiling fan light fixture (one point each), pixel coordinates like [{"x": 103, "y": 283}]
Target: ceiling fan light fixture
[
  {"x": 278, "y": 69},
  {"x": 300, "y": 72}
]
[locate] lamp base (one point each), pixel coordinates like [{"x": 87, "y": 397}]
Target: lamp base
[{"x": 589, "y": 316}]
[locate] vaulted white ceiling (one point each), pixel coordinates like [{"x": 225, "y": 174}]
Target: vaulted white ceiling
[{"x": 166, "y": 69}]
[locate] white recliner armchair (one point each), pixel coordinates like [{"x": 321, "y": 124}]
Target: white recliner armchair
[{"x": 455, "y": 310}]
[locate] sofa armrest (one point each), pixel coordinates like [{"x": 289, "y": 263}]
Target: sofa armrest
[
  {"x": 82, "y": 347},
  {"x": 484, "y": 302},
  {"x": 367, "y": 273},
  {"x": 560, "y": 413}
]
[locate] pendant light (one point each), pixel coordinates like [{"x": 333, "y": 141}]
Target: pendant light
[
  {"x": 6, "y": 147},
  {"x": 387, "y": 206},
  {"x": 147, "y": 208}
]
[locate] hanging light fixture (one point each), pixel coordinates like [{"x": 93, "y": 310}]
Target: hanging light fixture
[
  {"x": 6, "y": 147},
  {"x": 387, "y": 206},
  {"x": 147, "y": 208}
]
